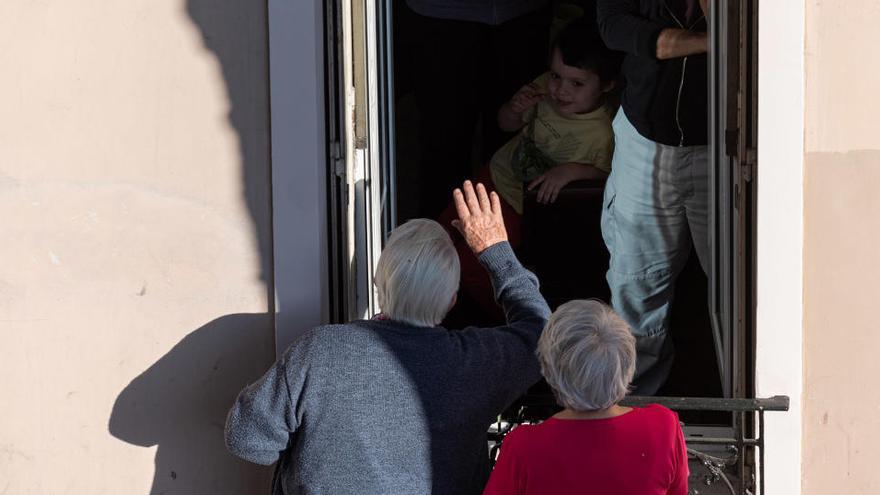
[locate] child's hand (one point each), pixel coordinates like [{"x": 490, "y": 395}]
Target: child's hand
[
  {"x": 510, "y": 115},
  {"x": 527, "y": 97},
  {"x": 552, "y": 181}
]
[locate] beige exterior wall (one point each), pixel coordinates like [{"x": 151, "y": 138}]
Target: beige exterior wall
[
  {"x": 135, "y": 242},
  {"x": 136, "y": 247},
  {"x": 842, "y": 232}
]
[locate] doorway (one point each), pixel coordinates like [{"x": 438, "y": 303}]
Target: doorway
[{"x": 377, "y": 185}]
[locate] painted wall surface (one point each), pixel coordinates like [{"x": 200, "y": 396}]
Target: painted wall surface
[
  {"x": 841, "y": 427},
  {"x": 135, "y": 221}
]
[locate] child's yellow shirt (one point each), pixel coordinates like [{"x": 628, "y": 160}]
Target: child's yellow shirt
[{"x": 585, "y": 138}]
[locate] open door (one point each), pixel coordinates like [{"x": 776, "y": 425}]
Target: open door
[
  {"x": 733, "y": 134},
  {"x": 360, "y": 128},
  {"x": 362, "y": 143}
]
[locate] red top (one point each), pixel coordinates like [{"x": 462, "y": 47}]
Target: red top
[{"x": 641, "y": 452}]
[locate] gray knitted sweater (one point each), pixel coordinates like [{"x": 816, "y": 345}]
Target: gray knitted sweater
[{"x": 383, "y": 407}]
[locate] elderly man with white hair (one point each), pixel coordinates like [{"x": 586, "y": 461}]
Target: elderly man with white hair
[
  {"x": 398, "y": 404},
  {"x": 594, "y": 445}
]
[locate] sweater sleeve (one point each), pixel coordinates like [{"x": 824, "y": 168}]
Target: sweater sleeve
[
  {"x": 516, "y": 289},
  {"x": 266, "y": 413},
  {"x": 511, "y": 366},
  {"x": 624, "y": 29}
]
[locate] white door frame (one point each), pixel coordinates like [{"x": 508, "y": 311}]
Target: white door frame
[
  {"x": 296, "y": 37},
  {"x": 299, "y": 167},
  {"x": 780, "y": 176}
]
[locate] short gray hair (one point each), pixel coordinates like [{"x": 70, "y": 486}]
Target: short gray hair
[
  {"x": 587, "y": 355},
  {"x": 417, "y": 274}
]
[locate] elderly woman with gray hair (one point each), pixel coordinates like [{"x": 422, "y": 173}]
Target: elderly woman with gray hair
[
  {"x": 397, "y": 404},
  {"x": 593, "y": 446}
]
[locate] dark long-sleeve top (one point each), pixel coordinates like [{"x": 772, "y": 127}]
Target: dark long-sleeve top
[
  {"x": 384, "y": 407},
  {"x": 491, "y": 12},
  {"x": 665, "y": 100}
]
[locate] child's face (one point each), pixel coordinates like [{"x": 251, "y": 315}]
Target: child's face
[{"x": 573, "y": 90}]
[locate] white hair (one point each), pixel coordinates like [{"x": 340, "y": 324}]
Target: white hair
[
  {"x": 417, "y": 274},
  {"x": 587, "y": 355}
]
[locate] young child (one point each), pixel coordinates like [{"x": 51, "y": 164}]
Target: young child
[
  {"x": 564, "y": 135},
  {"x": 565, "y": 128}
]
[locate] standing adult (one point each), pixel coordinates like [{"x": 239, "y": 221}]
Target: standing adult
[
  {"x": 656, "y": 198},
  {"x": 468, "y": 57},
  {"x": 398, "y": 404}
]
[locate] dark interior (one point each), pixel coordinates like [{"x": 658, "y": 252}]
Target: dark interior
[{"x": 562, "y": 244}]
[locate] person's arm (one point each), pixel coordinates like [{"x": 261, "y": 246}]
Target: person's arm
[
  {"x": 507, "y": 364},
  {"x": 675, "y": 43},
  {"x": 590, "y": 160},
  {"x": 552, "y": 181},
  {"x": 510, "y": 115},
  {"x": 624, "y": 29},
  {"x": 516, "y": 289},
  {"x": 259, "y": 425}
]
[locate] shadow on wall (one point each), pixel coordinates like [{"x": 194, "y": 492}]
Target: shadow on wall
[
  {"x": 237, "y": 34},
  {"x": 180, "y": 403}
]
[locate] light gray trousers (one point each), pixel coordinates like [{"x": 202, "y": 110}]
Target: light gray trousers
[{"x": 655, "y": 210}]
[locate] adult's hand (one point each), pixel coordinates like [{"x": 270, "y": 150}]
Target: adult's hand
[
  {"x": 676, "y": 43},
  {"x": 479, "y": 217}
]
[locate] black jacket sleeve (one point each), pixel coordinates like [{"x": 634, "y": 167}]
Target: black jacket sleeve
[{"x": 624, "y": 28}]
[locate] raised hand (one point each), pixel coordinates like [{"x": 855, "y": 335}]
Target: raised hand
[
  {"x": 479, "y": 217},
  {"x": 527, "y": 97}
]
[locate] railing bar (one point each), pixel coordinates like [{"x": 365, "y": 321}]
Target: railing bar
[
  {"x": 776, "y": 403},
  {"x": 749, "y": 442},
  {"x": 761, "y": 447},
  {"x": 741, "y": 451}
]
